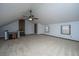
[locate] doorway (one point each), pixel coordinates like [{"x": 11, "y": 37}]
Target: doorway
[{"x": 35, "y": 28}]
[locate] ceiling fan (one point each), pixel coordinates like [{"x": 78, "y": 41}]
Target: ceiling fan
[{"x": 31, "y": 16}]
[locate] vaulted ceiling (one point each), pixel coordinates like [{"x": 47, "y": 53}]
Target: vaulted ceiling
[
  {"x": 47, "y": 13},
  {"x": 12, "y": 11},
  {"x": 56, "y": 12}
]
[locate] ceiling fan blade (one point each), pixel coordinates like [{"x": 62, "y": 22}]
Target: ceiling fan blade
[
  {"x": 30, "y": 16},
  {"x": 36, "y": 18}
]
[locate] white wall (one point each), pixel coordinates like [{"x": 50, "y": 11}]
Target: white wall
[
  {"x": 55, "y": 30},
  {"x": 1, "y": 33},
  {"x": 40, "y": 28},
  {"x": 13, "y": 27},
  {"x": 29, "y": 27}
]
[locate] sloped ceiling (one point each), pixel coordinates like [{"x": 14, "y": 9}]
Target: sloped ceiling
[
  {"x": 12, "y": 11},
  {"x": 47, "y": 13},
  {"x": 56, "y": 12}
]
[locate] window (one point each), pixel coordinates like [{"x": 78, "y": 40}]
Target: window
[
  {"x": 46, "y": 28},
  {"x": 66, "y": 29}
]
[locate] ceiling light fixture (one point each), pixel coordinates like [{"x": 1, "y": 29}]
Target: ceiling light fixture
[{"x": 30, "y": 19}]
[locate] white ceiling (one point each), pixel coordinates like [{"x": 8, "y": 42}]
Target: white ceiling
[
  {"x": 47, "y": 13},
  {"x": 12, "y": 11},
  {"x": 56, "y": 12}
]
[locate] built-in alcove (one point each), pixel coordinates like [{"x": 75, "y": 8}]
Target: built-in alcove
[{"x": 22, "y": 27}]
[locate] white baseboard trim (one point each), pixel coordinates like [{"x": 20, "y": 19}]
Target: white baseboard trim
[{"x": 60, "y": 37}]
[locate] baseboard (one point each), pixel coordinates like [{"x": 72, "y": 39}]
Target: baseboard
[
  {"x": 2, "y": 37},
  {"x": 29, "y": 34},
  {"x": 60, "y": 37},
  {"x": 33, "y": 34}
]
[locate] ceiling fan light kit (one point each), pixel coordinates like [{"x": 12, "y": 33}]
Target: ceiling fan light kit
[{"x": 30, "y": 19}]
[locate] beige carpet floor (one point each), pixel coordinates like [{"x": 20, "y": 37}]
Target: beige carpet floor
[{"x": 39, "y": 45}]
